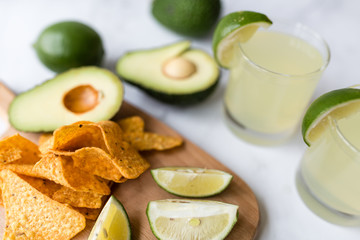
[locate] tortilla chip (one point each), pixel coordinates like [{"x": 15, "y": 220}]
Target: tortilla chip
[
  {"x": 133, "y": 124},
  {"x": 20, "y": 168},
  {"x": 60, "y": 169},
  {"x": 134, "y": 134},
  {"x": 112, "y": 135},
  {"x": 19, "y": 155},
  {"x": 78, "y": 135},
  {"x": 125, "y": 158},
  {"x": 9, "y": 154},
  {"x": 18, "y": 148},
  {"x": 44, "y": 186},
  {"x": 44, "y": 138},
  {"x": 129, "y": 161},
  {"x": 89, "y": 213},
  {"x": 153, "y": 141},
  {"x": 78, "y": 199},
  {"x": 32, "y": 215},
  {"x": 96, "y": 161},
  {"x": 46, "y": 143}
]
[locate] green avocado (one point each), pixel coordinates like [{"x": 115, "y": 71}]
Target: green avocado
[
  {"x": 174, "y": 73},
  {"x": 67, "y": 45},
  {"x": 86, "y": 93},
  {"x": 188, "y": 17}
]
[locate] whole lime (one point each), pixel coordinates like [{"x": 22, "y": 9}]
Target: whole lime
[
  {"x": 187, "y": 17},
  {"x": 67, "y": 45}
]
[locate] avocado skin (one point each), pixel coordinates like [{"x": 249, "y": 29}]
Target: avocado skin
[
  {"x": 178, "y": 99},
  {"x": 188, "y": 17},
  {"x": 69, "y": 44}
]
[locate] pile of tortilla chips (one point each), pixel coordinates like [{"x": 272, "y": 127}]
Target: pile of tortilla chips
[{"x": 49, "y": 190}]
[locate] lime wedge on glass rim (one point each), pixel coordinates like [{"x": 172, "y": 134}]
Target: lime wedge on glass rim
[
  {"x": 112, "y": 223},
  {"x": 234, "y": 28},
  {"x": 337, "y": 103},
  {"x": 191, "y": 182},
  {"x": 191, "y": 219}
]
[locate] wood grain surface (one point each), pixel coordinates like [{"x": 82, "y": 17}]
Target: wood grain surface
[{"x": 135, "y": 194}]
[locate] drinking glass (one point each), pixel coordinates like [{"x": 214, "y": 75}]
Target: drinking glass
[
  {"x": 272, "y": 79},
  {"x": 329, "y": 173}
]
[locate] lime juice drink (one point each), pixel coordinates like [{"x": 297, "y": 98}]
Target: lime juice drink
[
  {"x": 329, "y": 173},
  {"x": 330, "y": 168},
  {"x": 272, "y": 79}
]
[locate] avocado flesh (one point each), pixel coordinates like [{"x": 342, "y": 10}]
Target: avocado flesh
[
  {"x": 42, "y": 108},
  {"x": 144, "y": 69}
]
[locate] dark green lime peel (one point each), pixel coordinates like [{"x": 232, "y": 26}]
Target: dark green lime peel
[
  {"x": 232, "y": 24},
  {"x": 188, "y": 17},
  {"x": 322, "y": 105},
  {"x": 67, "y": 45}
]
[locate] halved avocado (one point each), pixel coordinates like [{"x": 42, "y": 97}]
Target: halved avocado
[
  {"x": 174, "y": 74},
  {"x": 87, "y": 93}
]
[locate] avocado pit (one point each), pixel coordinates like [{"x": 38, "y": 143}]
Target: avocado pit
[
  {"x": 179, "y": 68},
  {"x": 81, "y": 99}
]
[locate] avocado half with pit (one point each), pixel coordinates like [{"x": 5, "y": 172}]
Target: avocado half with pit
[
  {"x": 174, "y": 74},
  {"x": 86, "y": 93}
]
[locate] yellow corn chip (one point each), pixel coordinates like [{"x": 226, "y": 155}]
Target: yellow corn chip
[
  {"x": 20, "y": 168},
  {"x": 19, "y": 155},
  {"x": 78, "y": 199},
  {"x": 46, "y": 143},
  {"x": 153, "y": 141},
  {"x": 60, "y": 169},
  {"x": 133, "y": 124},
  {"x": 9, "y": 155},
  {"x": 89, "y": 213},
  {"x": 125, "y": 158},
  {"x": 129, "y": 161},
  {"x": 18, "y": 148},
  {"x": 32, "y": 215},
  {"x": 78, "y": 135},
  {"x": 134, "y": 134},
  {"x": 44, "y": 186},
  {"x": 44, "y": 138},
  {"x": 96, "y": 161}
]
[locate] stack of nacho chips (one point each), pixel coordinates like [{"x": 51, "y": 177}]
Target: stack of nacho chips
[{"x": 49, "y": 190}]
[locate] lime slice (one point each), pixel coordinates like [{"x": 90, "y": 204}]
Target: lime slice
[
  {"x": 191, "y": 219},
  {"x": 113, "y": 222},
  {"x": 191, "y": 182},
  {"x": 338, "y": 104},
  {"x": 233, "y": 28}
]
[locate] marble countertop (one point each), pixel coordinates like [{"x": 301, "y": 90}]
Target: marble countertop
[{"x": 127, "y": 24}]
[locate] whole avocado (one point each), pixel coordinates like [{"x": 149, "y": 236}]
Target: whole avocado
[
  {"x": 69, "y": 44},
  {"x": 188, "y": 17}
]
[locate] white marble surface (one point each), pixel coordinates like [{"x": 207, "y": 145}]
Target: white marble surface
[{"x": 127, "y": 24}]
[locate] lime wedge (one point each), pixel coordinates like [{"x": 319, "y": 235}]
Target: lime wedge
[
  {"x": 338, "y": 104},
  {"x": 113, "y": 222},
  {"x": 191, "y": 182},
  {"x": 233, "y": 28},
  {"x": 191, "y": 219}
]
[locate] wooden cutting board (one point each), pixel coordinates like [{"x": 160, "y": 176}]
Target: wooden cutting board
[{"x": 135, "y": 194}]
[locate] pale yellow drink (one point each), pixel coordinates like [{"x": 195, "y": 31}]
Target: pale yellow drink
[
  {"x": 331, "y": 166},
  {"x": 271, "y": 82}
]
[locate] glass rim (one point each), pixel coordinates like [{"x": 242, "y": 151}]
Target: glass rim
[
  {"x": 304, "y": 28},
  {"x": 349, "y": 145}
]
